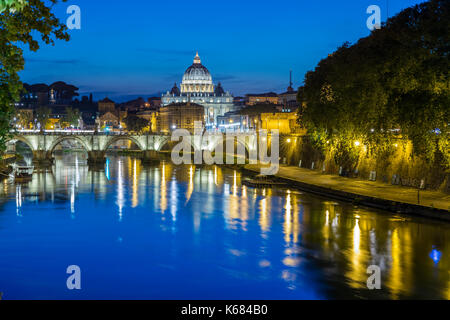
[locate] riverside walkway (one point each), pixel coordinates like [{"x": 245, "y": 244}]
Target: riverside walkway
[{"x": 434, "y": 204}]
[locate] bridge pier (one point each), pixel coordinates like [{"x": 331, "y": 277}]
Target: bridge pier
[
  {"x": 96, "y": 158},
  {"x": 94, "y": 143},
  {"x": 150, "y": 157},
  {"x": 42, "y": 158}
]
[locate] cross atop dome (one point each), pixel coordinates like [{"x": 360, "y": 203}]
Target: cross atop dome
[{"x": 197, "y": 59}]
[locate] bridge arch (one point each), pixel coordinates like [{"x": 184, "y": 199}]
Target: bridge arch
[
  {"x": 241, "y": 140},
  {"x": 55, "y": 143},
  {"x": 159, "y": 142},
  {"x": 171, "y": 144},
  {"x": 119, "y": 138},
  {"x": 24, "y": 140}
]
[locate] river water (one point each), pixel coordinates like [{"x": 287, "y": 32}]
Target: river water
[{"x": 186, "y": 232}]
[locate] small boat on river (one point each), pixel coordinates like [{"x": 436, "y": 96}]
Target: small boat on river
[{"x": 23, "y": 173}]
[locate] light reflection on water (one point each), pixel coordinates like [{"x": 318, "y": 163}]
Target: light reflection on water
[{"x": 193, "y": 232}]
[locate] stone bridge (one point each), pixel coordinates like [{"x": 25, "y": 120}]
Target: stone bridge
[{"x": 96, "y": 144}]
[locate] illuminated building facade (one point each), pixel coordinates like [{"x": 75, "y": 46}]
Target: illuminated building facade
[
  {"x": 180, "y": 116},
  {"x": 197, "y": 87}
]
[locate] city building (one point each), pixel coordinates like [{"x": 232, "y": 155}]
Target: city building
[
  {"x": 180, "y": 116},
  {"x": 109, "y": 120},
  {"x": 230, "y": 121},
  {"x": 284, "y": 122},
  {"x": 109, "y": 117},
  {"x": 262, "y": 116},
  {"x": 134, "y": 105},
  {"x": 58, "y": 94},
  {"x": 252, "y": 99},
  {"x": 106, "y": 105},
  {"x": 246, "y": 119},
  {"x": 197, "y": 87},
  {"x": 154, "y": 103},
  {"x": 239, "y": 102},
  {"x": 288, "y": 99}
]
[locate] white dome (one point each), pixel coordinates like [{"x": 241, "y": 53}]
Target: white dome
[
  {"x": 197, "y": 72},
  {"x": 197, "y": 78}
]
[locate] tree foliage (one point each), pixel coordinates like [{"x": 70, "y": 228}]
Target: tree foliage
[
  {"x": 393, "y": 83},
  {"x": 134, "y": 123},
  {"x": 24, "y": 119},
  {"x": 42, "y": 116},
  {"x": 22, "y": 23},
  {"x": 12, "y": 4},
  {"x": 72, "y": 116}
]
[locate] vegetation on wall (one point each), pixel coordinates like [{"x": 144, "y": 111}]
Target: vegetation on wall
[
  {"x": 72, "y": 116},
  {"x": 393, "y": 84}
]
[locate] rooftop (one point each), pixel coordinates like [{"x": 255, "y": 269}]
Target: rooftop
[
  {"x": 268, "y": 94},
  {"x": 106, "y": 100}
]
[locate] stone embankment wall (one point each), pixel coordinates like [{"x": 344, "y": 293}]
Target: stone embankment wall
[{"x": 398, "y": 166}]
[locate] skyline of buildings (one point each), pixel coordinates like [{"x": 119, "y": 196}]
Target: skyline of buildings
[
  {"x": 177, "y": 108},
  {"x": 221, "y": 110},
  {"x": 123, "y": 53}
]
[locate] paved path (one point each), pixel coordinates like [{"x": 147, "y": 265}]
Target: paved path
[{"x": 434, "y": 199}]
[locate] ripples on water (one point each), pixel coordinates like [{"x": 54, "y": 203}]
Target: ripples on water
[{"x": 189, "y": 232}]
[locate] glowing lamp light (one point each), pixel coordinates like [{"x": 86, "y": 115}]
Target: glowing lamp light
[
  {"x": 357, "y": 143},
  {"x": 435, "y": 255},
  {"x": 288, "y": 140},
  {"x": 396, "y": 145}
]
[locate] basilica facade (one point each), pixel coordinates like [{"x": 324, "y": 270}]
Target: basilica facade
[{"x": 197, "y": 87}]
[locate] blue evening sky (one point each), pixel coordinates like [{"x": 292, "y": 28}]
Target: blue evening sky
[{"x": 136, "y": 48}]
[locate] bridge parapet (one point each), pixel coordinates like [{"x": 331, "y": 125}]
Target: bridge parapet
[
  {"x": 42, "y": 144},
  {"x": 96, "y": 144}
]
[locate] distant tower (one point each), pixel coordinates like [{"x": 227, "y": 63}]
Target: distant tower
[{"x": 290, "y": 89}]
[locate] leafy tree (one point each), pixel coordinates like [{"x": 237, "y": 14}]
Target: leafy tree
[
  {"x": 72, "y": 116},
  {"x": 134, "y": 123},
  {"x": 393, "y": 83},
  {"x": 42, "y": 116},
  {"x": 12, "y": 4},
  {"x": 22, "y": 23},
  {"x": 24, "y": 118}
]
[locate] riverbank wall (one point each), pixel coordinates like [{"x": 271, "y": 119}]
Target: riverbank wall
[
  {"x": 396, "y": 165},
  {"x": 343, "y": 193}
]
